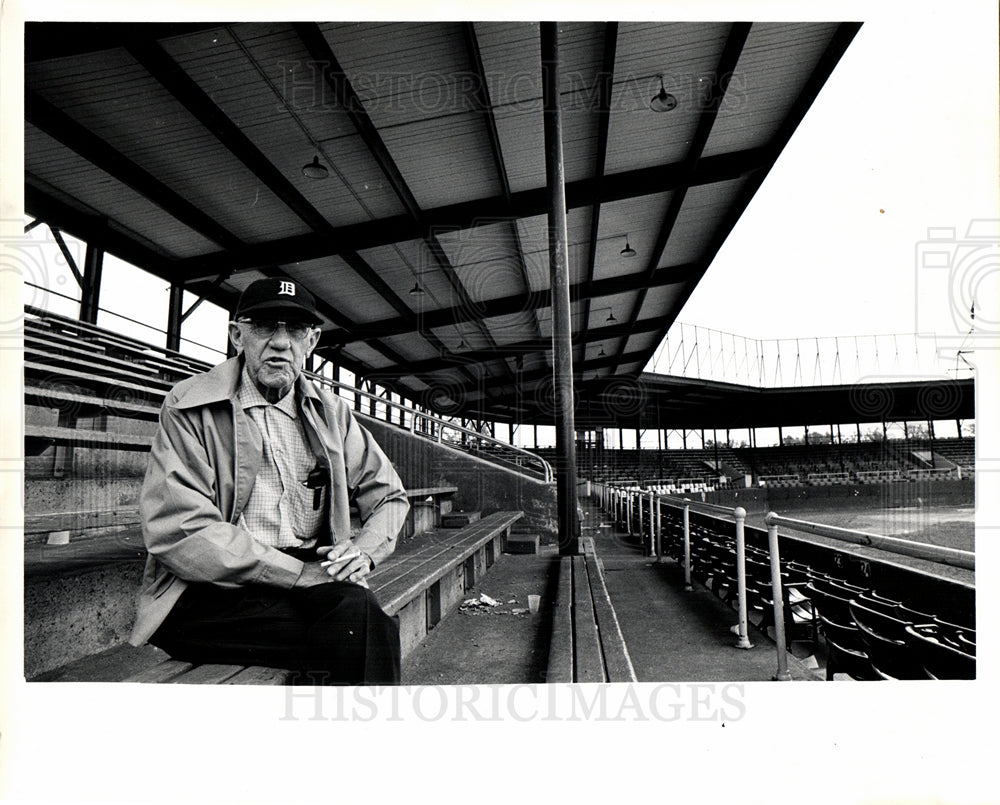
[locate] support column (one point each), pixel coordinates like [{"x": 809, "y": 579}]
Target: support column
[
  {"x": 562, "y": 343},
  {"x": 175, "y": 315},
  {"x": 90, "y": 296}
]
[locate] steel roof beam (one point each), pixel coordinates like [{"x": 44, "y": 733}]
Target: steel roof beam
[
  {"x": 730, "y": 57},
  {"x": 465, "y": 215},
  {"x": 63, "y": 128},
  {"x": 518, "y": 303},
  {"x": 481, "y": 97},
  {"x": 605, "y": 79},
  {"x": 348, "y": 100}
]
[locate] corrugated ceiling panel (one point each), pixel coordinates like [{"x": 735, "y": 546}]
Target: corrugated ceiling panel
[
  {"x": 402, "y": 265},
  {"x": 459, "y": 338},
  {"x": 410, "y": 347},
  {"x": 404, "y": 72},
  {"x": 638, "y": 219},
  {"x": 703, "y": 211},
  {"x": 56, "y": 165},
  {"x": 444, "y": 160},
  {"x": 522, "y": 140},
  {"x": 414, "y": 82},
  {"x": 334, "y": 280},
  {"x": 775, "y": 64},
  {"x": 683, "y": 53},
  {"x": 113, "y": 97},
  {"x": 261, "y": 76},
  {"x": 534, "y": 243},
  {"x": 659, "y": 300},
  {"x": 601, "y": 307},
  {"x": 365, "y": 355},
  {"x": 580, "y": 125},
  {"x": 643, "y": 341},
  {"x": 512, "y": 57},
  {"x": 512, "y": 329}
]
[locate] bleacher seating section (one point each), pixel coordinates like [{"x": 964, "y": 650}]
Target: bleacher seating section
[
  {"x": 85, "y": 387},
  {"x": 676, "y": 471}
]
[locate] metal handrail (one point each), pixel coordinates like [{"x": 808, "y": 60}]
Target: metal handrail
[
  {"x": 919, "y": 550},
  {"x": 523, "y": 460},
  {"x": 622, "y": 498}
]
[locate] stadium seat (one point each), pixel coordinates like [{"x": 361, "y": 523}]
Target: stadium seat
[
  {"x": 940, "y": 660},
  {"x": 845, "y": 651},
  {"x": 885, "y": 639}
]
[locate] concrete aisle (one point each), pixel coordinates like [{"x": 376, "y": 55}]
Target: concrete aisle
[
  {"x": 673, "y": 635},
  {"x": 505, "y": 644}
]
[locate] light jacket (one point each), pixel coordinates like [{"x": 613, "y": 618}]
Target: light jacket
[{"x": 202, "y": 466}]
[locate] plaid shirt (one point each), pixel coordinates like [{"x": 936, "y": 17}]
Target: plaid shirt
[{"x": 280, "y": 511}]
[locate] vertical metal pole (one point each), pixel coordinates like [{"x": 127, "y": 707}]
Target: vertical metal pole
[
  {"x": 638, "y": 498},
  {"x": 628, "y": 512},
  {"x": 687, "y": 547},
  {"x": 175, "y": 313},
  {"x": 741, "y": 577},
  {"x": 562, "y": 336},
  {"x": 90, "y": 296},
  {"x": 778, "y": 598},
  {"x": 659, "y": 529}
]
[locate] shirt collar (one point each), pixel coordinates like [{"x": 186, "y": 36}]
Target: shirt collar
[{"x": 249, "y": 396}]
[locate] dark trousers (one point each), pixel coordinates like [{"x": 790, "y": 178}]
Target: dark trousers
[{"x": 332, "y": 634}]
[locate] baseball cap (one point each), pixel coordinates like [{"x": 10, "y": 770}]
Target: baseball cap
[{"x": 277, "y": 297}]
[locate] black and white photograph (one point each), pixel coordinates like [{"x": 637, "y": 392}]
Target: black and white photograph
[{"x": 485, "y": 388}]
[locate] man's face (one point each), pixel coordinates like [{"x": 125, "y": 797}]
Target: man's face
[{"x": 273, "y": 361}]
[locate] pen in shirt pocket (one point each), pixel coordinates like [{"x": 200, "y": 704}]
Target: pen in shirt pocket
[{"x": 316, "y": 480}]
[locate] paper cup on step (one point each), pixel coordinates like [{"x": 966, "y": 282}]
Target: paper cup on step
[{"x": 534, "y": 601}]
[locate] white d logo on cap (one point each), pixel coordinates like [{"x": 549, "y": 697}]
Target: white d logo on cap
[{"x": 287, "y": 288}]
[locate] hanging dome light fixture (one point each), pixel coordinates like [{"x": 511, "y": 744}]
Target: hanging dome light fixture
[
  {"x": 663, "y": 101},
  {"x": 313, "y": 170}
]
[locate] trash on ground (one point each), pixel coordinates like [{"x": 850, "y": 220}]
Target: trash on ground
[{"x": 518, "y": 611}]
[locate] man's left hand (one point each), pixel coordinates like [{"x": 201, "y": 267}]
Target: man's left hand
[{"x": 344, "y": 562}]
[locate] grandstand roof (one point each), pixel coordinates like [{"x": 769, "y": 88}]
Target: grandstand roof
[
  {"x": 180, "y": 148},
  {"x": 657, "y": 401}
]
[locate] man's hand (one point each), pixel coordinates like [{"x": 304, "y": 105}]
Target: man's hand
[{"x": 344, "y": 562}]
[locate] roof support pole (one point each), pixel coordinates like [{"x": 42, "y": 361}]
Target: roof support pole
[
  {"x": 175, "y": 316},
  {"x": 562, "y": 336},
  {"x": 90, "y": 296}
]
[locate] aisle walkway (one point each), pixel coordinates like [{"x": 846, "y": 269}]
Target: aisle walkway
[{"x": 673, "y": 635}]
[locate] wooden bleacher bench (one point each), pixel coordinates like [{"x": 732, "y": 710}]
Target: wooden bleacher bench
[
  {"x": 418, "y": 587},
  {"x": 587, "y": 643}
]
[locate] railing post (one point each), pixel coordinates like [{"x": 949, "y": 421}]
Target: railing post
[
  {"x": 659, "y": 529},
  {"x": 687, "y": 547},
  {"x": 741, "y": 577},
  {"x": 628, "y": 512},
  {"x": 638, "y": 497},
  {"x": 778, "y": 598},
  {"x": 652, "y": 526}
]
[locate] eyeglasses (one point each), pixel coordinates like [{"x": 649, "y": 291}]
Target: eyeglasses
[{"x": 265, "y": 328}]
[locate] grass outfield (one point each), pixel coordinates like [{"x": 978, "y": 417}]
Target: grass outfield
[{"x": 947, "y": 526}]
